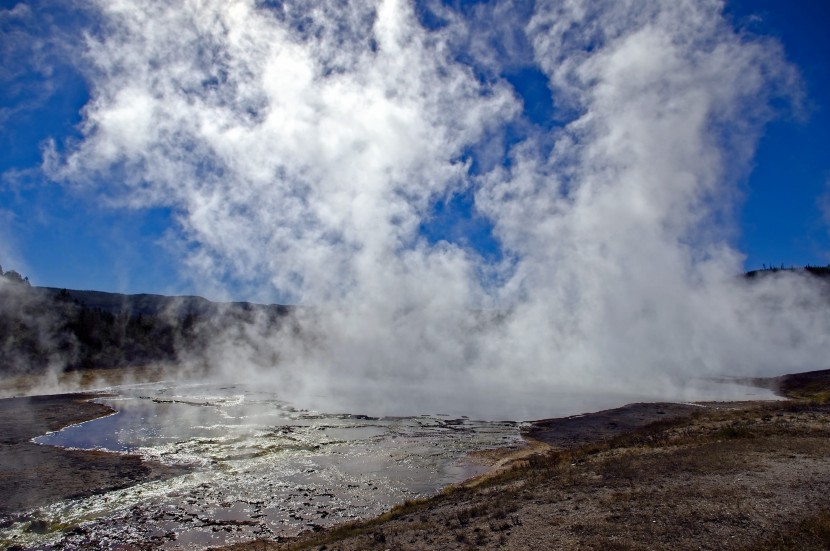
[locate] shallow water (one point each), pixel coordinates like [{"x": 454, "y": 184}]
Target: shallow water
[{"x": 261, "y": 467}]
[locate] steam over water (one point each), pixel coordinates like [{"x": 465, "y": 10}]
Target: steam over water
[
  {"x": 302, "y": 153},
  {"x": 261, "y": 467},
  {"x": 370, "y": 161}
]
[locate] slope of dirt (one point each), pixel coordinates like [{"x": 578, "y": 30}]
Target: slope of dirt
[
  {"x": 744, "y": 476},
  {"x": 579, "y": 430}
]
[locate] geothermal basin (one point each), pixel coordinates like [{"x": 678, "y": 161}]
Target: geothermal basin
[{"x": 255, "y": 467}]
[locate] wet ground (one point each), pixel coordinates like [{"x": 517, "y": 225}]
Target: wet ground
[
  {"x": 193, "y": 466},
  {"x": 588, "y": 428},
  {"x": 32, "y": 475}
]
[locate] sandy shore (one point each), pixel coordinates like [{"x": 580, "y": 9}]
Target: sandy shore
[{"x": 33, "y": 476}]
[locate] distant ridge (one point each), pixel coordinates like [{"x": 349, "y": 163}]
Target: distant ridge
[
  {"x": 155, "y": 305},
  {"x": 51, "y": 329},
  {"x": 817, "y": 271}
]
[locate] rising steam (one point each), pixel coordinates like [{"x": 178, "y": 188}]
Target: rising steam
[{"x": 304, "y": 145}]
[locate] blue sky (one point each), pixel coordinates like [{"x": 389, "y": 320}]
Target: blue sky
[
  {"x": 67, "y": 235},
  {"x": 781, "y": 220}
]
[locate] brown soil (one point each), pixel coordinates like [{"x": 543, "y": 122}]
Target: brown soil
[
  {"x": 745, "y": 476},
  {"x": 579, "y": 430},
  {"x": 32, "y": 475},
  {"x": 86, "y": 380}
]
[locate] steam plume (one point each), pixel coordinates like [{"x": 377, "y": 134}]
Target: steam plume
[{"x": 303, "y": 146}]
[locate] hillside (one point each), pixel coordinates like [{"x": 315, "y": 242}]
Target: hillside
[
  {"x": 176, "y": 307},
  {"x": 48, "y": 329},
  {"x": 45, "y": 329}
]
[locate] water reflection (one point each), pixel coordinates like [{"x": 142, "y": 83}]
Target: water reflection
[{"x": 263, "y": 468}]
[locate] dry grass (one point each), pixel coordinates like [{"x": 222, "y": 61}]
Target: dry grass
[
  {"x": 811, "y": 534},
  {"x": 749, "y": 477}
]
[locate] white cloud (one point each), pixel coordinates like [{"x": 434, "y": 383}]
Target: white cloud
[
  {"x": 621, "y": 264},
  {"x": 277, "y": 146},
  {"x": 302, "y": 146}
]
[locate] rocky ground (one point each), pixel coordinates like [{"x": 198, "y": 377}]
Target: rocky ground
[
  {"x": 744, "y": 476},
  {"x": 32, "y": 475}
]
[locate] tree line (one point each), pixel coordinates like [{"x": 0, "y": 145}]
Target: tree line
[{"x": 44, "y": 329}]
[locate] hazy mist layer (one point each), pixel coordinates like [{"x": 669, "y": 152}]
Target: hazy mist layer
[{"x": 303, "y": 146}]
